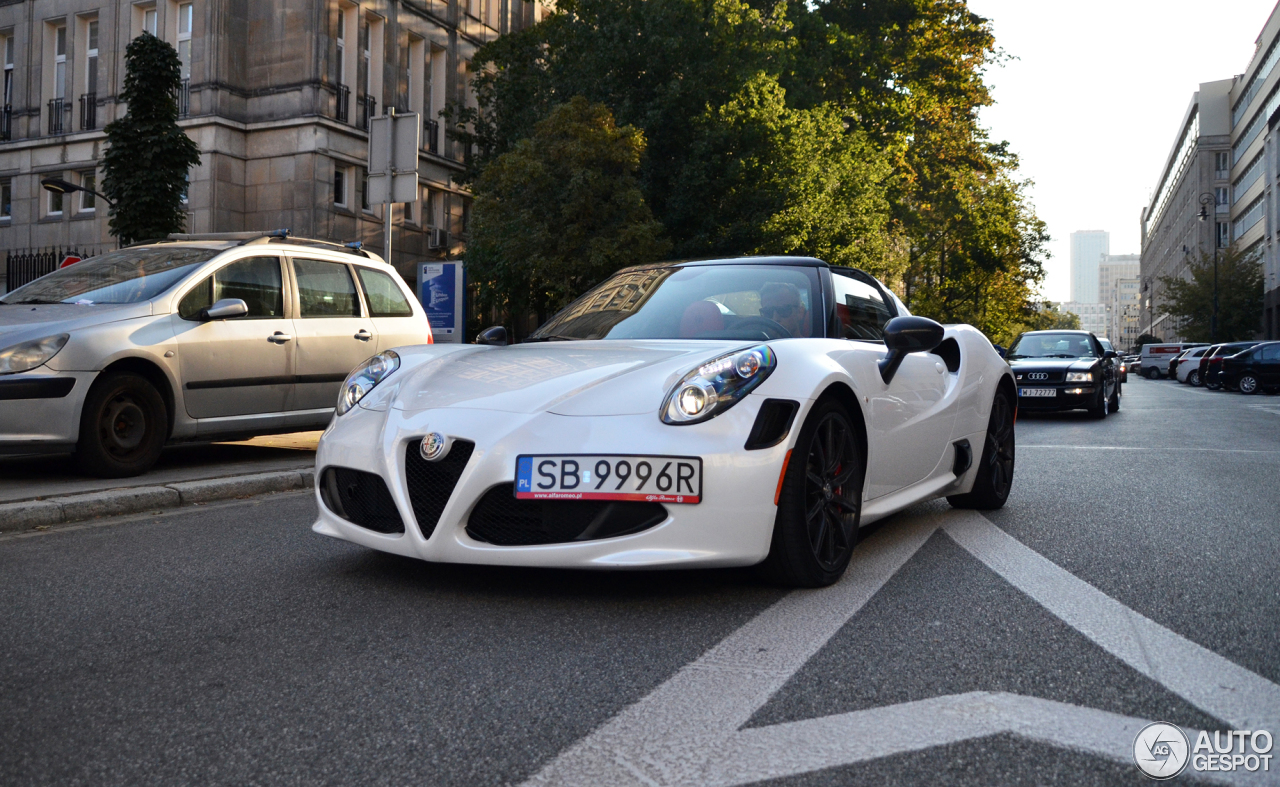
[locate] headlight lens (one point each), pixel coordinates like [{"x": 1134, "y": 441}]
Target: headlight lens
[
  {"x": 29, "y": 355},
  {"x": 364, "y": 377},
  {"x": 717, "y": 385},
  {"x": 1079, "y": 377}
]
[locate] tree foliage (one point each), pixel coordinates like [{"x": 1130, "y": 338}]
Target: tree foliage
[
  {"x": 1239, "y": 297},
  {"x": 148, "y": 156},
  {"x": 842, "y": 129},
  {"x": 1147, "y": 338},
  {"x": 560, "y": 211}
]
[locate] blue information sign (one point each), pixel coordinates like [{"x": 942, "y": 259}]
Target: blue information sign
[{"x": 441, "y": 289}]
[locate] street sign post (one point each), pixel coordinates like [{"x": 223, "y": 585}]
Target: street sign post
[
  {"x": 442, "y": 291},
  {"x": 393, "y": 165}
]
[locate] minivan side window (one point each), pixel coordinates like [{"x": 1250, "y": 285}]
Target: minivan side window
[
  {"x": 385, "y": 299},
  {"x": 860, "y": 308},
  {"x": 1271, "y": 352},
  {"x": 255, "y": 280},
  {"x": 325, "y": 289}
]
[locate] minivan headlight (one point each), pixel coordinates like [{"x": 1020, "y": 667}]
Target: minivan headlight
[
  {"x": 30, "y": 355},
  {"x": 1079, "y": 377},
  {"x": 364, "y": 377},
  {"x": 717, "y": 385}
]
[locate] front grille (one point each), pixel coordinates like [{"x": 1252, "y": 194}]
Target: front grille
[
  {"x": 360, "y": 498},
  {"x": 1024, "y": 377},
  {"x": 431, "y": 483},
  {"x": 499, "y": 518}
]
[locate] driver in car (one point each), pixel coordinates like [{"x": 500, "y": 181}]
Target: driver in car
[{"x": 780, "y": 302}]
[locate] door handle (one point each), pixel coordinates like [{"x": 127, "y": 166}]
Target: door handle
[
  {"x": 364, "y": 335},
  {"x": 280, "y": 338}
]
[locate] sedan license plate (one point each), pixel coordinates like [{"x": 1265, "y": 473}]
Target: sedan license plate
[
  {"x": 1037, "y": 391},
  {"x": 658, "y": 479}
]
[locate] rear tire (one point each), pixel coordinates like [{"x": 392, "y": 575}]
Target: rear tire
[
  {"x": 1152, "y": 374},
  {"x": 816, "y": 526},
  {"x": 1194, "y": 379},
  {"x": 123, "y": 427},
  {"x": 1248, "y": 383},
  {"x": 995, "y": 470}
]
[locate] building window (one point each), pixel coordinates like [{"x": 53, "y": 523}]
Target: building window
[
  {"x": 6, "y": 199},
  {"x": 1224, "y": 234},
  {"x": 339, "y": 186},
  {"x": 364, "y": 191},
  {"x": 428, "y": 200},
  {"x": 54, "y": 206},
  {"x": 88, "y": 202},
  {"x": 366, "y": 57},
  {"x": 341, "y": 41},
  {"x": 60, "y": 62},
  {"x": 184, "y": 38},
  {"x": 1220, "y": 197},
  {"x": 1222, "y": 163},
  {"x": 91, "y": 58},
  {"x": 149, "y": 20},
  {"x": 8, "y": 71}
]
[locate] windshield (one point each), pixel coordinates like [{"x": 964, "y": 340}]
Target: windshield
[
  {"x": 124, "y": 276},
  {"x": 695, "y": 302},
  {"x": 1053, "y": 345}
]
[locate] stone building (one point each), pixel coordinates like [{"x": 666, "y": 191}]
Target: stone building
[
  {"x": 1093, "y": 316},
  {"x": 1118, "y": 277},
  {"x": 277, "y": 95}
]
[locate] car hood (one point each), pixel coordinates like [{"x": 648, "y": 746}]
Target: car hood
[
  {"x": 567, "y": 378},
  {"x": 1052, "y": 364},
  {"x": 20, "y": 322}
]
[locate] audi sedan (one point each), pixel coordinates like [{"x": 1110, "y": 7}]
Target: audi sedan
[{"x": 1064, "y": 370}]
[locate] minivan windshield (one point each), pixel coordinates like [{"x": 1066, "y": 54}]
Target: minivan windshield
[
  {"x": 750, "y": 302},
  {"x": 1052, "y": 345},
  {"x": 124, "y": 276}
]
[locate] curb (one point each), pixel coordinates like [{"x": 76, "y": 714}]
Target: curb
[{"x": 27, "y": 514}]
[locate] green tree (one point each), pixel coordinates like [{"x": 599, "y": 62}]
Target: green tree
[
  {"x": 148, "y": 156},
  {"x": 1147, "y": 338},
  {"x": 1239, "y": 297},
  {"x": 559, "y": 212}
]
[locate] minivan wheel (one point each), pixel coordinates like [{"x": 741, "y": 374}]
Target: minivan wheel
[
  {"x": 123, "y": 427},
  {"x": 1152, "y": 374},
  {"x": 1248, "y": 384}
]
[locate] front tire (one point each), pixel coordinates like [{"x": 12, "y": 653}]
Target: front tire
[
  {"x": 995, "y": 470},
  {"x": 1115, "y": 400},
  {"x": 816, "y": 526},
  {"x": 1152, "y": 374},
  {"x": 1248, "y": 384},
  {"x": 1100, "y": 409},
  {"x": 123, "y": 427}
]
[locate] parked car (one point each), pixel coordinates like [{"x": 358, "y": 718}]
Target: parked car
[
  {"x": 1255, "y": 369},
  {"x": 1172, "y": 371},
  {"x": 1156, "y": 357},
  {"x": 194, "y": 338},
  {"x": 1064, "y": 370},
  {"x": 1188, "y": 369},
  {"x": 1133, "y": 363},
  {"x": 1211, "y": 362},
  {"x": 1118, "y": 360},
  {"x": 742, "y": 411}
]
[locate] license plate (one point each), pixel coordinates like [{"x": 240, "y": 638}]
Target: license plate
[
  {"x": 1037, "y": 391},
  {"x": 658, "y": 479}
]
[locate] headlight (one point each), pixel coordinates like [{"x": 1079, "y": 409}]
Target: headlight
[
  {"x": 364, "y": 377},
  {"x": 1079, "y": 377},
  {"x": 717, "y": 385},
  {"x": 29, "y": 355}
]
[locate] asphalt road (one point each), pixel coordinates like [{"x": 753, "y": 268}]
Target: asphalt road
[{"x": 1130, "y": 578}]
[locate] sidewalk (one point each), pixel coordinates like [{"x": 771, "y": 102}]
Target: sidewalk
[{"x": 47, "y": 490}]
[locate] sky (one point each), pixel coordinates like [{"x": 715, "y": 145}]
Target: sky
[{"x": 1094, "y": 99}]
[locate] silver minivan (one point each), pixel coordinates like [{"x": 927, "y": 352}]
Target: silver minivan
[{"x": 194, "y": 338}]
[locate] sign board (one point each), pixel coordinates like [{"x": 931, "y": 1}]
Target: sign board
[
  {"x": 393, "y": 158},
  {"x": 70, "y": 259},
  {"x": 442, "y": 291}
]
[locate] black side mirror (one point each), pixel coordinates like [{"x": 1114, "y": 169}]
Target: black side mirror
[
  {"x": 904, "y": 335},
  {"x": 1001, "y": 351},
  {"x": 494, "y": 337},
  {"x": 1109, "y": 354},
  {"x": 225, "y": 309}
]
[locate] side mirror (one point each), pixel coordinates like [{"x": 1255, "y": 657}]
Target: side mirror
[
  {"x": 494, "y": 337},
  {"x": 904, "y": 335},
  {"x": 1109, "y": 354},
  {"x": 225, "y": 309},
  {"x": 1000, "y": 351}
]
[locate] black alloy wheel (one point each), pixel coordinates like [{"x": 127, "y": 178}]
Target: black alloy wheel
[
  {"x": 995, "y": 470},
  {"x": 816, "y": 526},
  {"x": 1248, "y": 383},
  {"x": 1100, "y": 408},
  {"x": 123, "y": 426}
]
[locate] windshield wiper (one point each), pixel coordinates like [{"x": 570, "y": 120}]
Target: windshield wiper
[
  {"x": 31, "y": 300},
  {"x": 552, "y": 337}
]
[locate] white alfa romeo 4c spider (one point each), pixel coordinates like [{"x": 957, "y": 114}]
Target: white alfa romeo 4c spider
[{"x": 706, "y": 413}]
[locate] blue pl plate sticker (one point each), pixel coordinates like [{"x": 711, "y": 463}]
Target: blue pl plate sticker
[{"x": 524, "y": 474}]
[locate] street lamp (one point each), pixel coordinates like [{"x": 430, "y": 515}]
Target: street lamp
[
  {"x": 60, "y": 186},
  {"x": 1205, "y": 200}
]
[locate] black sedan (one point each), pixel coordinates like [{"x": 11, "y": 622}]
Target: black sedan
[
  {"x": 1064, "y": 370},
  {"x": 1255, "y": 369}
]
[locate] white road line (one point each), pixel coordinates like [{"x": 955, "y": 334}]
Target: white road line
[
  {"x": 688, "y": 731},
  {"x": 1180, "y": 449}
]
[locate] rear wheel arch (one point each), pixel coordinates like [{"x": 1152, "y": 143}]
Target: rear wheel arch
[{"x": 154, "y": 375}]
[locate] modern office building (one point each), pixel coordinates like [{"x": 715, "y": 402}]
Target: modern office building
[
  {"x": 1118, "y": 275},
  {"x": 1254, "y": 101},
  {"x": 1088, "y": 247},
  {"x": 1093, "y": 316},
  {"x": 278, "y": 96},
  {"x": 1196, "y": 172}
]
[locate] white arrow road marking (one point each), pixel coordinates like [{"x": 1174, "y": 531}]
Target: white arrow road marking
[{"x": 688, "y": 730}]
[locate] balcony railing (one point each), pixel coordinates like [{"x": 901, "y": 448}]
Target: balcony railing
[
  {"x": 431, "y": 135},
  {"x": 58, "y": 110},
  {"x": 344, "y": 104},
  {"x": 6, "y": 122},
  {"x": 88, "y": 111},
  {"x": 368, "y": 111},
  {"x": 184, "y": 98}
]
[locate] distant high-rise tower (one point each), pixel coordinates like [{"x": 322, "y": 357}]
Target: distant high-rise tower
[{"x": 1088, "y": 247}]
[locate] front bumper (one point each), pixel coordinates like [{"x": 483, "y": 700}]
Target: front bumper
[
  {"x": 1071, "y": 396},
  {"x": 40, "y": 410},
  {"x": 732, "y": 526}
]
